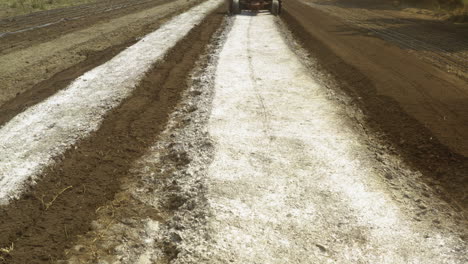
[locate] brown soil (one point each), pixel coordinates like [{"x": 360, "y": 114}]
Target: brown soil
[
  {"x": 31, "y": 30},
  {"x": 422, "y": 112},
  {"x": 444, "y": 45},
  {"x": 59, "y": 81},
  {"x": 62, "y": 204},
  {"x": 36, "y": 85},
  {"x": 11, "y": 8},
  {"x": 40, "y": 54}
]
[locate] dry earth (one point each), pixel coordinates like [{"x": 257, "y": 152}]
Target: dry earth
[
  {"x": 444, "y": 45},
  {"x": 418, "y": 110},
  {"x": 239, "y": 139},
  {"x": 292, "y": 178},
  {"x": 36, "y": 64}
]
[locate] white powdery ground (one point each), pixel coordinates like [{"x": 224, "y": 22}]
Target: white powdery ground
[
  {"x": 30, "y": 141},
  {"x": 291, "y": 181}
]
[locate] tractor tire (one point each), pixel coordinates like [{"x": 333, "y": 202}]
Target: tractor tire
[
  {"x": 235, "y": 7},
  {"x": 275, "y": 7}
]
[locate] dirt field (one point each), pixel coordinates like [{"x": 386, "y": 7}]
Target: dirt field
[
  {"x": 10, "y": 8},
  {"x": 156, "y": 131},
  {"x": 61, "y": 52},
  {"x": 419, "y": 110},
  {"x": 439, "y": 43}
]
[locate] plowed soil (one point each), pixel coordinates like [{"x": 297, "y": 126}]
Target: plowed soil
[
  {"x": 62, "y": 205},
  {"x": 67, "y": 48},
  {"x": 420, "y": 110},
  {"x": 28, "y": 30},
  {"x": 335, "y": 132},
  {"x": 440, "y": 43}
]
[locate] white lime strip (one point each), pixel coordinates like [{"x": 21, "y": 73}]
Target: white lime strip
[
  {"x": 292, "y": 180},
  {"x": 30, "y": 140}
]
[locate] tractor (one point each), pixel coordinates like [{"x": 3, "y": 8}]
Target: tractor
[{"x": 236, "y": 6}]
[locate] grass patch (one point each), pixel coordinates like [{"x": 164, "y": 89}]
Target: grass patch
[{"x": 10, "y": 8}]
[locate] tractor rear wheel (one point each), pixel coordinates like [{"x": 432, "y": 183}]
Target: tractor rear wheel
[
  {"x": 235, "y": 7},
  {"x": 275, "y": 7}
]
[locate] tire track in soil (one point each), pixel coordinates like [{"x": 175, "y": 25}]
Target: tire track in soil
[
  {"x": 68, "y": 194},
  {"x": 261, "y": 100},
  {"x": 443, "y": 169}
]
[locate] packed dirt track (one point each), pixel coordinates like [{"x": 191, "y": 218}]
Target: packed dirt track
[{"x": 156, "y": 131}]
